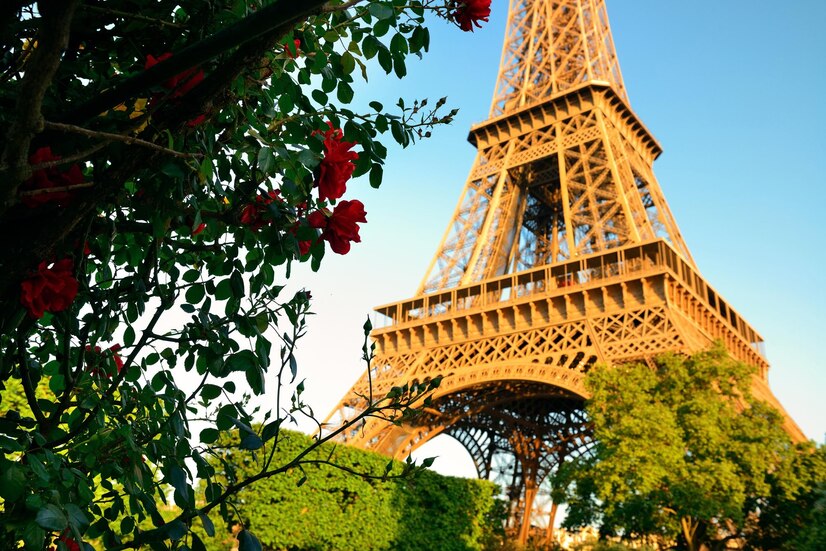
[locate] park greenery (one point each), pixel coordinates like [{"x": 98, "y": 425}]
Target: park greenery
[
  {"x": 165, "y": 164},
  {"x": 685, "y": 455},
  {"x": 319, "y": 506}
]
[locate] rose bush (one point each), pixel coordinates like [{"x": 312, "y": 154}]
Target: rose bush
[{"x": 191, "y": 144}]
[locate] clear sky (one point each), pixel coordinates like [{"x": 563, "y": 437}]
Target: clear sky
[{"x": 734, "y": 93}]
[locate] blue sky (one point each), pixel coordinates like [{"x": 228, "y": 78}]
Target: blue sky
[{"x": 733, "y": 92}]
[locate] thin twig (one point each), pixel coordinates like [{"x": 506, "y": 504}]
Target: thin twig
[
  {"x": 108, "y": 136},
  {"x": 133, "y": 16},
  {"x": 31, "y": 192},
  {"x": 342, "y": 7},
  {"x": 70, "y": 159}
]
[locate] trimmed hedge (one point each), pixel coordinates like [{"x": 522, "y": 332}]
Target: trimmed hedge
[{"x": 334, "y": 509}]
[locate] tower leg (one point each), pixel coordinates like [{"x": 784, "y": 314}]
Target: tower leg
[
  {"x": 549, "y": 535},
  {"x": 530, "y": 494}
]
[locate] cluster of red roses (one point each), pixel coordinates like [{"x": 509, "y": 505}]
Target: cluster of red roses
[
  {"x": 49, "y": 185},
  {"x": 339, "y": 227},
  {"x": 470, "y": 12},
  {"x": 50, "y": 289},
  {"x": 180, "y": 84}
]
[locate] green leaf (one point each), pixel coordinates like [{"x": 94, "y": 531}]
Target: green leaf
[
  {"x": 77, "y": 518},
  {"x": 226, "y": 417},
  {"x": 241, "y": 361},
  {"x": 37, "y": 467},
  {"x": 385, "y": 59},
  {"x": 348, "y": 63},
  {"x": 12, "y": 482},
  {"x": 33, "y": 536},
  {"x": 262, "y": 321},
  {"x": 248, "y": 542},
  {"x": 320, "y": 97},
  {"x": 175, "y": 530},
  {"x": 191, "y": 276},
  {"x": 223, "y": 290},
  {"x": 197, "y": 544},
  {"x": 381, "y": 27},
  {"x": 397, "y": 130},
  {"x": 344, "y": 92},
  {"x": 285, "y": 103},
  {"x": 237, "y": 283},
  {"x": 51, "y": 517},
  {"x": 210, "y": 392},
  {"x": 209, "y": 435},
  {"x": 127, "y": 525},
  {"x": 370, "y": 46},
  {"x": 209, "y": 527},
  {"x": 129, "y": 336},
  {"x": 376, "y": 175},
  {"x": 271, "y": 429},
  {"x": 195, "y": 294},
  {"x": 380, "y": 11},
  {"x": 293, "y": 368},
  {"x": 255, "y": 377},
  {"x": 266, "y": 160},
  {"x": 251, "y": 442},
  {"x": 377, "y": 106},
  {"x": 399, "y": 66},
  {"x": 398, "y": 45}
]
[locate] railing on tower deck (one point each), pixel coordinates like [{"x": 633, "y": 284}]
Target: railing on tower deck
[{"x": 561, "y": 278}]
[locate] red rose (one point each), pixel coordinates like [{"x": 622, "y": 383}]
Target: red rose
[
  {"x": 289, "y": 51},
  {"x": 470, "y": 12},
  {"x": 95, "y": 359},
  {"x": 341, "y": 227},
  {"x": 50, "y": 289},
  {"x": 197, "y": 121},
  {"x": 252, "y": 214},
  {"x": 183, "y": 82},
  {"x": 48, "y": 178},
  {"x": 317, "y": 220},
  {"x": 337, "y": 165},
  {"x": 68, "y": 541}
]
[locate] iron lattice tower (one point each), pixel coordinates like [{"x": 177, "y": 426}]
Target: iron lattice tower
[{"x": 561, "y": 253}]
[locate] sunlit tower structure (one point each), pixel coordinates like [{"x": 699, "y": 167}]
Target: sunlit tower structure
[{"x": 561, "y": 253}]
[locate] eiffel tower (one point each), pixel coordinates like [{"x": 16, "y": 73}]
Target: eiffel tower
[{"x": 562, "y": 253}]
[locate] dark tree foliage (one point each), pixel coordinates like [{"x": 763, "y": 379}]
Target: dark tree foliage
[{"x": 793, "y": 515}]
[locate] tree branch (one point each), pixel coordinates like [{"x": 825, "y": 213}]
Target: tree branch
[
  {"x": 42, "y": 65},
  {"x": 135, "y": 16},
  {"x": 266, "y": 19},
  {"x": 110, "y": 137}
]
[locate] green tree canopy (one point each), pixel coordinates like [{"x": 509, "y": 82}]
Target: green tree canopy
[{"x": 683, "y": 451}]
